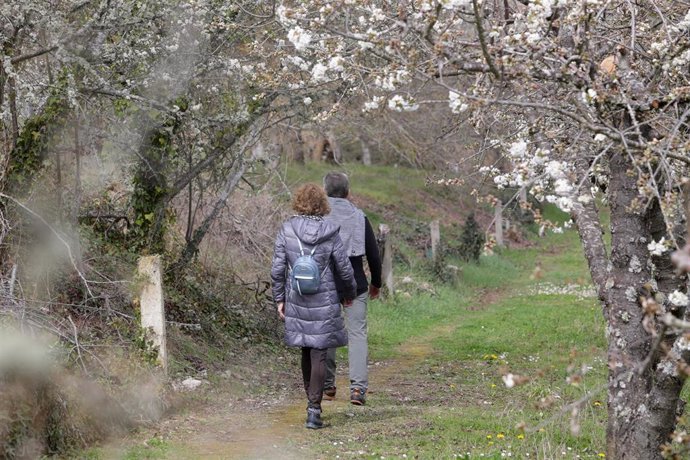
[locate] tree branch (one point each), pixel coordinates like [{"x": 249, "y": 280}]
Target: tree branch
[
  {"x": 26, "y": 57},
  {"x": 482, "y": 39}
]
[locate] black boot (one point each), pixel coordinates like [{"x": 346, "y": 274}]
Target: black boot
[{"x": 314, "y": 421}]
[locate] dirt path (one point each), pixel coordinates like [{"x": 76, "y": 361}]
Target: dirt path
[{"x": 275, "y": 429}]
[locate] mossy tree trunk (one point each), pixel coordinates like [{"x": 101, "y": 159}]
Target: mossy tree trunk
[
  {"x": 33, "y": 143},
  {"x": 150, "y": 195}
]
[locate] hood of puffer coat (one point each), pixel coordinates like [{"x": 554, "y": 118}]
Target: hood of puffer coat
[{"x": 312, "y": 231}]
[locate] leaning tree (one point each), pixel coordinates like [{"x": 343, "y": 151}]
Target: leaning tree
[{"x": 589, "y": 101}]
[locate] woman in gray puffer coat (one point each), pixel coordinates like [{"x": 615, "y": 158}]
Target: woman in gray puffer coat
[{"x": 313, "y": 322}]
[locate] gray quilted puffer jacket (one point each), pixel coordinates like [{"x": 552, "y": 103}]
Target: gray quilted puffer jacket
[{"x": 313, "y": 320}]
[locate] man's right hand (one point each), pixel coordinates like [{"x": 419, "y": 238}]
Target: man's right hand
[{"x": 374, "y": 292}]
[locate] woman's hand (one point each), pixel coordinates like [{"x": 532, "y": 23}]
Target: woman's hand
[{"x": 281, "y": 310}]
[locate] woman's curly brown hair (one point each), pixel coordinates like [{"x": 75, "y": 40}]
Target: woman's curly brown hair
[{"x": 310, "y": 200}]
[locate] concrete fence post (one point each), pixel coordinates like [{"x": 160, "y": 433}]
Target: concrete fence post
[
  {"x": 435, "y": 239},
  {"x": 152, "y": 306},
  {"x": 498, "y": 223}
]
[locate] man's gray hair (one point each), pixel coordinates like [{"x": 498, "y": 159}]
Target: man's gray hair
[{"x": 336, "y": 184}]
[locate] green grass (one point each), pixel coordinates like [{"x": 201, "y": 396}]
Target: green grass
[
  {"x": 502, "y": 317},
  {"x": 154, "y": 448},
  {"x": 385, "y": 185},
  {"x": 393, "y": 322}
]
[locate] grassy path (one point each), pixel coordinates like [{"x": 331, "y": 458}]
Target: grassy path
[
  {"x": 436, "y": 391},
  {"x": 442, "y": 395}
]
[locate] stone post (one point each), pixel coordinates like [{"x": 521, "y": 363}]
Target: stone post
[
  {"x": 152, "y": 306},
  {"x": 435, "y": 239},
  {"x": 498, "y": 223}
]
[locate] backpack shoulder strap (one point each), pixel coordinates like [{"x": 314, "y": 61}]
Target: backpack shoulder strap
[{"x": 301, "y": 248}]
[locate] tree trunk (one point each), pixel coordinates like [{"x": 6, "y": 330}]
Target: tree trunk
[
  {"x": 77, "y": 173},
  {"x": 13, "y": 110},
  {"x": 641, "y": 408}
]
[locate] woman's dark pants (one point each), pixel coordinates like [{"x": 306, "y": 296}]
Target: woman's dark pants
[{"x": 314, "y": 374}]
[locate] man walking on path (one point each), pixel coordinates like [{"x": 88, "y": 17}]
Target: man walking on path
[{"x": 359, "y": 240}]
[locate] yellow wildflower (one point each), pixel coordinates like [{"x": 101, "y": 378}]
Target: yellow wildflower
[{"x": 500, "y": 436}]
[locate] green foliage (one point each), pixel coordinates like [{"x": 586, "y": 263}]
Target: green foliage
[
  {"x": 29, "y": 154},
  {"x": 149, "y": 197},
  {"x": 148, "y": 351},
  {"x": 472, "y": 240},
  {"x": 122, "y": 106}
]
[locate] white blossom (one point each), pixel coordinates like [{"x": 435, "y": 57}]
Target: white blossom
[
  {"x": 509, "y": 380},
  {"x": 589, "y": 96},
  {"x": 678, "y": 298},
  {"x": 518, "y": 149},
  {"x": 318, "y": 72},
  {"x": 455, "y": 103},
  {"x": 377, "y": 14},
  {"x": 336, "y": 64},
  {"x": 299, "y": 38},
  {"x": 563, "y": 187},
  {"x": 657, "y": 248},
  {"x": 554, "y": 169},
  {"x": 401, "y": 104},
  {"x": 285, "y": 15},
  {"x": 501, "y": 181},
  {"x": 452, "y": 4}
]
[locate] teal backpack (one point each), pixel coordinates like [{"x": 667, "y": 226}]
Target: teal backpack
[{"x": 305, "y": 274}]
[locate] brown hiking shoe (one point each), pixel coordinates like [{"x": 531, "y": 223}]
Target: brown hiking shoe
[
  {"x": 329, "y": 394},
  {"x": 357, "y": 397}
]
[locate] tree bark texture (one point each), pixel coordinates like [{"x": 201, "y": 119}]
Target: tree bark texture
[{"x": 643, "y": 394}]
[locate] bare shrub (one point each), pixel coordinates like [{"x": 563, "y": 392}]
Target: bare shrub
[{"x": 46, "y": 408}]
